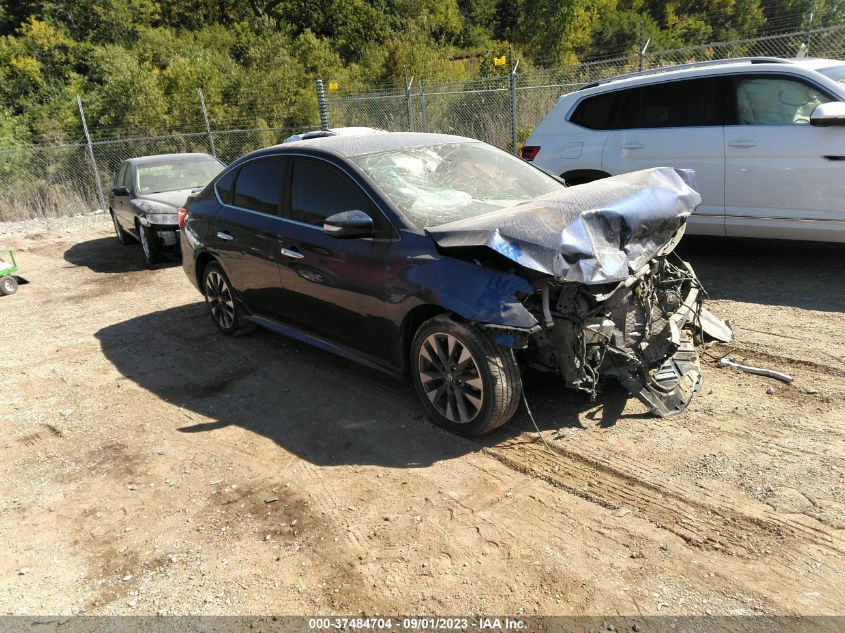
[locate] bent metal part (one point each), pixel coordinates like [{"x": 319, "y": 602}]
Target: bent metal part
[{"x": 593, "y": 317}]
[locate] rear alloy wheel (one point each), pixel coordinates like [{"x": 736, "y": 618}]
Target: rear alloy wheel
[
  {"x": 220, "y": 299},
  {"x": 467, "y": 383},
  {"x": 8, "y": 285},
  {"x": 149, "y": 245},
  {"x": 122, "y": 236}
]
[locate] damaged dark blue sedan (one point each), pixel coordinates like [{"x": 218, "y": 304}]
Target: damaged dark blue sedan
[{"x": 455, "y": 264}]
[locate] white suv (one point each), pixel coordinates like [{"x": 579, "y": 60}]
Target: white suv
[{"x": 765, "y": 136}]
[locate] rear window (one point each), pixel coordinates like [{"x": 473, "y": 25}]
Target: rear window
[
  {"x": 595, "y": 113},
  {"x": 688, "y": 103}
]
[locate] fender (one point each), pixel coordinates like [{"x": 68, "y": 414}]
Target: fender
[{"x": 483, "y": 296}]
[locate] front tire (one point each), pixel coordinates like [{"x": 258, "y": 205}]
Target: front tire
[
  {"x": 8, "y": 285},
  {"x": 467, "y": 383},
  {"x": 149, "y": 245},
  {"x": 223, "y": 308}
]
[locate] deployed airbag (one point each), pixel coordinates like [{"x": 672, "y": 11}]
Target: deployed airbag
[{"x": 595, "y": 233}]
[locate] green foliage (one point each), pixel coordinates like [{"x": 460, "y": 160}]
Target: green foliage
[{"x": 138, "y": 63}]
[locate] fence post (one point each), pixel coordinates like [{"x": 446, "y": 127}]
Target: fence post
[
  {"x": 207, "y": 126},
  {"x": 809, "y": 26},
  {"x": 97, "y": 182},
  {"x": 514, "y": 139},
  {"x": 643, "y": 46},
  {"x": 640, "y": 41},
  {"x": 422, "y": 108},
  {"x": 410, "y": 98},
  {"x": 322, "y": 105}
]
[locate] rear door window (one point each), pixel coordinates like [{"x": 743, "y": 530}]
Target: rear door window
[
  {"x": 258, "y": 186},
  {"x": 688, "y": 103}
]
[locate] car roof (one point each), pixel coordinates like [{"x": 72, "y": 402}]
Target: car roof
[
  {"x": 816, "y": 63},
  {"x": 361, "y": 144},
  {"x": 335, "y": 131},
  {"x": 158, "y": 158},
  {"x": 701, "y": 69}
]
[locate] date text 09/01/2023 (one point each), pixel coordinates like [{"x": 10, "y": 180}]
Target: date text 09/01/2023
[{"x": 417, "y": 624}]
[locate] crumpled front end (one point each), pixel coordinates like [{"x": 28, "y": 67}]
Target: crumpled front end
[
  {"x": 608, "y": 295},
  {"x": 640, "y": 331}
]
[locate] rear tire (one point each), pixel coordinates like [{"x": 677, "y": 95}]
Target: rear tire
[
  {"x": 8, "y": 285},
  {"x": 122, "y": 236},
  {"x": 467, "y": 383},
  {"x": 223, "y": 308},
  {"x": 149, "y": 245}
]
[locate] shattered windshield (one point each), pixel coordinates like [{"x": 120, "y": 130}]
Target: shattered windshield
[
  {"x": 172, "y": 176},
  {"x": 435, "y": 184},
  {"x": 837, "y": 73}
]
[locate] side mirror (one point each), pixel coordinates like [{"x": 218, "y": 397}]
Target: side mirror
[
  {"x": 349, "y": 224},
  {"x": 827, "y": 114},
  {"x": 119, "y": 191}
]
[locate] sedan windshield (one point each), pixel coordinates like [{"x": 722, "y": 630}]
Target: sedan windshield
[
  {"x": 837, "y": 73},
  {"x": 435, "y": 184},
  {"x": 175, "y": 175}
]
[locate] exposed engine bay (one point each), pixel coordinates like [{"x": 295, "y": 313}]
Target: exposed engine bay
[
  {"x": 610, "y": 298},
  {"x": 640, "y": 331}
]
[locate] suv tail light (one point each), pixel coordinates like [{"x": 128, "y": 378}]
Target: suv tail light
[
  {"x": 529, "y": 152},
  {"x": 183, "y": 215}
]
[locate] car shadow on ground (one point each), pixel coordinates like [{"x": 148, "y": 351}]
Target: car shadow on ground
[
  {"x": 107, "y": 255},
  {"x": 809, "y": 275},
  {"x": 321, "y": 407}
]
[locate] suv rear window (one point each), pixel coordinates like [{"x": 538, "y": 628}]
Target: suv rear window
[
  {"x": 688, "y": 103},
  {"x": 595, "y": 113}
]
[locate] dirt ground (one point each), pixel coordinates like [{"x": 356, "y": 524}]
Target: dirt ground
[{"x": 152, "y": 466}]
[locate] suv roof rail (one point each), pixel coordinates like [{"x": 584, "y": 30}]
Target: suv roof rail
[{"x": 666, "y": 69}]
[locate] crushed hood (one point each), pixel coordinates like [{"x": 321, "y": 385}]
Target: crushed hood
[{"x": 592, "y": 234}]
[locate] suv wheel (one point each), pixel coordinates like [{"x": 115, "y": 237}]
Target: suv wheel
[{"x": 467, "y": 383}]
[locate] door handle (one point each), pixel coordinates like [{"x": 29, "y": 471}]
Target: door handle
[
  {"x": 742, "y": 144},
  {"x": 291, "y": 253},
  {"x": 632, "y": 145},
  {"x": 225, "y": 235}
]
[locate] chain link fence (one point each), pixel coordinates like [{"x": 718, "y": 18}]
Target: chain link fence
[
  {"x": 47, "y": 181},
  {"x": 504, "y": 110},
  {"x": 59, "y": 180}
]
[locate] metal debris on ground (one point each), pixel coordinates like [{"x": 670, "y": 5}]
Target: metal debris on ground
[{"x": 771, "y": 373}]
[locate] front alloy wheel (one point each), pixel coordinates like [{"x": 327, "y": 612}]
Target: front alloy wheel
[
  {"x": 450, "y": 378},
  {"x": 467, "y": 383}
]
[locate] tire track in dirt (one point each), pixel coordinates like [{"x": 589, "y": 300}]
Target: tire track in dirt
[{"x": 698, "y": 522}]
